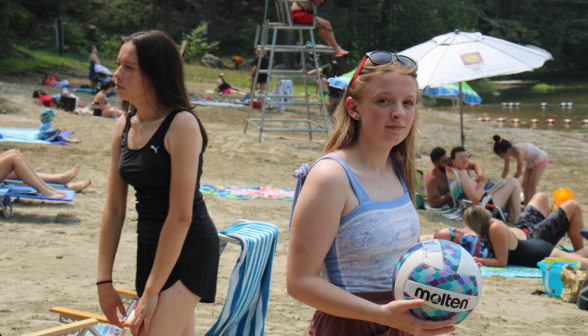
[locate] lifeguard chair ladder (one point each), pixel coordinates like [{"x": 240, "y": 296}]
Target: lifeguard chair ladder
[{"x": 285, "y": 23}]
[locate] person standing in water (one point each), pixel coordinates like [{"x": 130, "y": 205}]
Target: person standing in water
[
  {"x": 528, "y": 154},
  {"x": 158, "y": 148}
]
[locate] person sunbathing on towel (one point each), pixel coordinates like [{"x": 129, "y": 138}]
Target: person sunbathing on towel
[
  {"x": 101, "y": 106},
  {"x": 14, "y": 166},
  {"x": 537, "y": 222},
  {"x": 303, "y": 13},
  {"x": 224, "y": 87},
  {"x": 436, "y": 179},
  {"x": 473, "y": 190},
  {"x": 511, "y": 246}
]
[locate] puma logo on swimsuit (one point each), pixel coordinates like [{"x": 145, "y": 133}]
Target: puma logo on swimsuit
[{"x": 154, "y": 148}]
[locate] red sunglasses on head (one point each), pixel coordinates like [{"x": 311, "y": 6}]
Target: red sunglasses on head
[{"x": 381, "y": 58}]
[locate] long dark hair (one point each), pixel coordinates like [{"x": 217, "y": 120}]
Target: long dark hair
[
  {"x": 160, "y": 62},
  {"x": 501, "y": 145}
]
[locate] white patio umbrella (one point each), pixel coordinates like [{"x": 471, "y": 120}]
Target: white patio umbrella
[{"x": 462, "y": 56}]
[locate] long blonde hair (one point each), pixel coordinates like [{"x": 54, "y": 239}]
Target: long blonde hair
[
  {"x": 346, "y": 129},
  {"x": 479, "y": 219}
]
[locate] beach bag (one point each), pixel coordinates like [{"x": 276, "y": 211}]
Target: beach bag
[
  {"x": 49, "y": 80},
  {"x": 69, "y": 103},
  {"x": 572, "y": 279}
]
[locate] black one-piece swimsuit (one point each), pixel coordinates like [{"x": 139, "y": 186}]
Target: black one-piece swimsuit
[{"x": 148, "y": 170}]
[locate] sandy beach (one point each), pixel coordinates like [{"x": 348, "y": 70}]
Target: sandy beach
[{"x": 49, "y": 251}]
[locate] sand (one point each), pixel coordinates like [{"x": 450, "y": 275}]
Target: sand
[{"x": 49, "y": 251}]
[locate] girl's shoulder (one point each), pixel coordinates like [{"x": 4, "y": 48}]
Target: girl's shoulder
[{"x": 328, "y": 172}]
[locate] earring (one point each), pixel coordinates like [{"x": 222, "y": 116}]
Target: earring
[{"x": 356, "y": 116}]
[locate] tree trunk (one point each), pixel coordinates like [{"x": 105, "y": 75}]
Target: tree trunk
[
  {"x": 167, "y": 9},
  {"x": 186, "y": 23},
  {"x": 330, "y": 8},
  {"x": 512, "y": 9},
  {"x": 354, "y": 8},
  {"x": 6, "y": 18},
  {"x": 212, "y": 9},
  {"x": 154, "y": 17}
]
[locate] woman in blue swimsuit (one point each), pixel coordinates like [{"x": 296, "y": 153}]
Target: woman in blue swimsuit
[{"x": 355, "y": 215}]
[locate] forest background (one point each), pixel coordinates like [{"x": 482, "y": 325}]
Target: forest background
[{"x": 559, "y": 26}]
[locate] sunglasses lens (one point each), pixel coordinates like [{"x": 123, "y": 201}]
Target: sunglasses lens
[
  {"x": 379, "y": 58},
  {"x": 406, "y": 61}
]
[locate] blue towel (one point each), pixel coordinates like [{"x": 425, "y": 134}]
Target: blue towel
[
  {"x": 246, "y": 303},
  {"x": 28, "y": 136},
  {"x": 69, "y": 194}
]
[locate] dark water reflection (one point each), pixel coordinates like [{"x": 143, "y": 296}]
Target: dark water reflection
[{"x": 530, "y": 95}]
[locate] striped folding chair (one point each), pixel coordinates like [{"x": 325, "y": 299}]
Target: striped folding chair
[{"x": 246, "y": 303}]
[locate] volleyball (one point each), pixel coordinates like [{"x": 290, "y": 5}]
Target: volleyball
[{"x": 443, "y": 274}]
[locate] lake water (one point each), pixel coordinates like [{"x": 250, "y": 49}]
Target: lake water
[{"x": 530, "y": 94}]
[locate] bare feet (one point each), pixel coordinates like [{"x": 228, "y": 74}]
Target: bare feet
[
  {"x": 70, "y": 174},
  {"x": 79, "y": 186},
  {"x": 339, "y": 50},
  {"x": 52, "y": 193}
]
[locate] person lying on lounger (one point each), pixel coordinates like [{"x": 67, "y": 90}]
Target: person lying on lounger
[
  {"x": 224, "y": 87},
  {"x": 512, "y": 246},
  {"x": 473, "y": 190},
  {"x": 14, "y": 166},
  {"x": 537, "y": 222},
  {"x": 101, "y": 106},
  {"x": 47, "y": 133}
]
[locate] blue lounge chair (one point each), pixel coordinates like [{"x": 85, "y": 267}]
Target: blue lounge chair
[{"x": 8, "y": 192}]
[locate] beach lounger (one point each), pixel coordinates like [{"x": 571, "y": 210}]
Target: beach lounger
[
  {"x": 246, "y": 303},
  {"x": 9, "y": 192},
  {"x": 457, "y": 194},
  {"x": 81, "y": 328}
]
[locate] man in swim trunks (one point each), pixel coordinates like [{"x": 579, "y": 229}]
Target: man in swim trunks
[
  {"x": 224, "y": 87},
  {"x": 436, "y": 179}
]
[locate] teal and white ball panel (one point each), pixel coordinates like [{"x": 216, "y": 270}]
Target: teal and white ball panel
[{"x": 444, "y": 275}]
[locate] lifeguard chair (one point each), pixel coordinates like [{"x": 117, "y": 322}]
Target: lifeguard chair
[{"x": 285, "y": 23}]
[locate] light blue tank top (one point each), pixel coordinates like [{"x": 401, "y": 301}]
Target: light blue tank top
[{"x": 370, "y": 239}]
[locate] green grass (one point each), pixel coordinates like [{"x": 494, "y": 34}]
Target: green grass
[
  {"x": 24, "y": 59},
  {"x": 239, "y": 79}
]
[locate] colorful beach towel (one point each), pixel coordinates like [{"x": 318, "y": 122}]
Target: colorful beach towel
[
  {"x": 28, "y": 135},
  {"x": 511, "y": 271},
  {"x": 248, "y": 192}
]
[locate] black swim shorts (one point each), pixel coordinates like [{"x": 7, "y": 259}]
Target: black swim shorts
[{"x": 550, "y": 229}]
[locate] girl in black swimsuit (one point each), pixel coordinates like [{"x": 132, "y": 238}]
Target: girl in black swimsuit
[
  {"x": 512, "y": 248},
  {"x": 158, "y": 149}
]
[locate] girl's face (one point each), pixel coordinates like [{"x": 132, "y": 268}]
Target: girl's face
[
  {"x": 461, "y": 160},
  {"x": 387, "y": 109},
  {"x": 130, "y": 83}
]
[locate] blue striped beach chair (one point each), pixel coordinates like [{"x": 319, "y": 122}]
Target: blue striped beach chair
[{"x": 246, "y": 303}]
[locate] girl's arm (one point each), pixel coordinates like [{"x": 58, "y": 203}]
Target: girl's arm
[
  {"x": 315, "y": 223},
  {"x": 473, "y": 194},
  {"x": 184, "y": 143},
  {"x": 506, "y": 167},
  {"x": 499, "y": 237},
  {"x": 113, "y": 218},
  {"x": 520, "y": 164}
]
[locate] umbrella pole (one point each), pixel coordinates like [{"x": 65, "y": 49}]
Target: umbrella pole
[{"x": 461, "y": 116}]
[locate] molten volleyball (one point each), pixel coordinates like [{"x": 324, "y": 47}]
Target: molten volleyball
[{"x": 443, "y": 274}]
